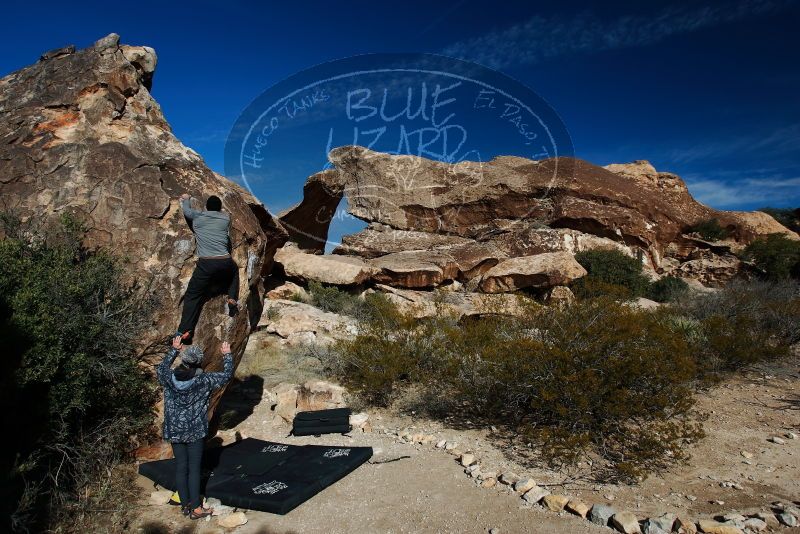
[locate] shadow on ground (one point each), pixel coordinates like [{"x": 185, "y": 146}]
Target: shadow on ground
[
  {"x": 154, "y": 527},
  {"x": 239, "y": 401}
]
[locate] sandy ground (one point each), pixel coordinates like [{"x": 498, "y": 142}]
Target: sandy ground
[{"x": 429, "y": 492}]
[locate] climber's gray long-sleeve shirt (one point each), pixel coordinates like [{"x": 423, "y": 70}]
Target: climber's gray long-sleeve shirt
[{"x": 210, "y": 230}]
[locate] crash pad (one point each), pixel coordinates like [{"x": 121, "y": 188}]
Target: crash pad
[{"x": 264, "y": 475}]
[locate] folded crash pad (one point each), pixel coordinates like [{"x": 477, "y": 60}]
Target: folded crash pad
[{"x": 266, "y": 476}]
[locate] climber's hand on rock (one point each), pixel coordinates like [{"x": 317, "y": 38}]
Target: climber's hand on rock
[
  {"x": 226, "y": 347},
  {"x": 186, "y": 196},
  {"x": 176, "y": 343}
]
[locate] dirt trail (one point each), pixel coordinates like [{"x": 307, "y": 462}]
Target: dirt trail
[{"x": 429, "y": 492}]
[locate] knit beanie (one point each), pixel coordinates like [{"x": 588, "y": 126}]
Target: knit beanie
[{"x": 192, "y": 356}]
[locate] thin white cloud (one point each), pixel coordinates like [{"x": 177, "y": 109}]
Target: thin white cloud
[
  {"x": 783, "y": 140},
  {"x": 726, "y": 193},
  {"x": 541, "y": 38}
]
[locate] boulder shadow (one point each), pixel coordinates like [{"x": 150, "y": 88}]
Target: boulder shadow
[{"x": 239, "y": 401}]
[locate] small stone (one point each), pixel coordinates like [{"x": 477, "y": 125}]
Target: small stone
[
  {"x": 735, "y": 523},
  {"x": 710, "y": 526},
  {"x": 494, "y": 531},
  {"x": 609, "y": 496},
  {"x": 441, "y": 444},
  {"x": 524, "y": 485},
  {"x": 777, "y": 440},
  {"x": 755, "y": 524},
  {"x": 718, "y": 503},
  {"x": 626, "y": 522},
  {"x": 652, "y": 528},
  {"x": 787, "y": 519},
  {"x": 219, "y": 508},
  {"x": 509, "y": 479},
  {"x": 746, "y": 454},
  {"x": 768, "y": 518},
  {"x": 467, "y": 459},
  {"x": 734, "y": 517},
  {"x": 691, "y": 498},
  {"x": 233, "y": 520},
  {"x": 359, "y": 420},
  {"x": 160, "y": 497},
  {"x": 555, "y": 502},
  {"x": 600, "y": 514},
  {"x": 489, "y": 483},
  {"x": 450, "y": 445},
  {"x": 663, "y": 522},
  {"x": 684, "y": 526},
  {"x": 578, "y": 507},
  {"x": 535, "y": 494},
  {"x": 790, "y": 435}
]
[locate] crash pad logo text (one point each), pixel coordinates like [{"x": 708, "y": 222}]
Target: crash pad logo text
[
  {"x": 336, "y": 453},
  {"x": 269, "y": 488},
  {"x": 275, "y": 448}
]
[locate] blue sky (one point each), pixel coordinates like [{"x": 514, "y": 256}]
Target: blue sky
[{"x": 706, "y": 90}]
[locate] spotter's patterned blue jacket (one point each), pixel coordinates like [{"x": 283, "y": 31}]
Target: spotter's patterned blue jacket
[{"x": 186, "y": 402}]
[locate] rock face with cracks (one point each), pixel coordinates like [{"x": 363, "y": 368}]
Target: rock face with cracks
[
  {"x": 431, "y": 222},
  {"x": 80, "y": 134}
]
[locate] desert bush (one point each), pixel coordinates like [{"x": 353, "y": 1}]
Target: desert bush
[
  {"x": 610, "y": 273},
  {"x": 776, "y": 256},
  {"x": 596, "y": 377},
  {"x": 72, "y": 375},
  {"x": 743, "y": 323},
  {"x": 335, "y": 300},
  {"x": 710, "y": 230},
  {"x": 667, "y": 289}
]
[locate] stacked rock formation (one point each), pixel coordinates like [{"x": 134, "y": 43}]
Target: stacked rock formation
[{"x": 511, "y": 223}]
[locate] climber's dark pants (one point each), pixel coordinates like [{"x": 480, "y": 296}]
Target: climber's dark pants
[
  {"x": 211, "y": 277},
  {"x": 188, "y": 457}
]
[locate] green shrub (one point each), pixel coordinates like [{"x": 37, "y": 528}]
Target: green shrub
[
  {"x": 590, "y": 287},
  {"x": 777, "y": 256},
  {"x": 710, "y": 230},
  {"x": 667, "y": 289},
  {"x": 610, "y": 273},
  {"x": 332, "y": 299},
  {"x": 71, "y": 371},
  {"x": 743, "y": 323},
  {"x": 594, "y": 377}
]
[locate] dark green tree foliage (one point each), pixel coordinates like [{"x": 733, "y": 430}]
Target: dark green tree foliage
[
  {"x": 777, "y": 256},
  {"x": 610, "y": 273},
  {"x": 710, "y": 230},
  {"x": 73, "y": 392}
]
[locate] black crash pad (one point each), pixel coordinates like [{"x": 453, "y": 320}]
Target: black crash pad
[{"x": 266, "y": 476}]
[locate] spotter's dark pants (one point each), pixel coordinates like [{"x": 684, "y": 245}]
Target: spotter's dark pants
[
  {"x": 211, "y": 277},
  {"x": 188, "y": 459}
]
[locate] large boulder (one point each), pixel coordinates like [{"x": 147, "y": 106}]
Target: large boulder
[
  {"x": 458, "y": 304},
  {"x": 296, "y": 323},
  {"x": 540, "y": 271},
  {"x": 328, "y": 269},
  {"x": 80, "y": 134}
]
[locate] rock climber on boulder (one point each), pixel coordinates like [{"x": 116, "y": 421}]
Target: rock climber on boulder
[{"x": 215, "y": 272}]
